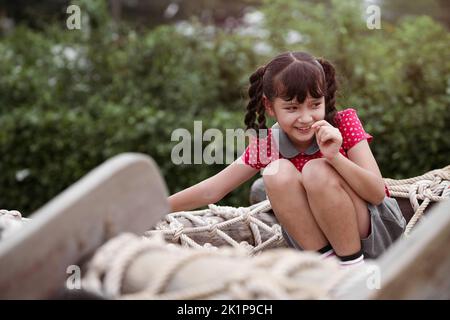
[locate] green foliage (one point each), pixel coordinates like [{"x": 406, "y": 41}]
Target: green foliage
[{"x": 69, "y": 100}]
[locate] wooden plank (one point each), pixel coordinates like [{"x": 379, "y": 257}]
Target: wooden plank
[
  {"x": 126, "y": 193},
  {"x": 417, "y": 267}
]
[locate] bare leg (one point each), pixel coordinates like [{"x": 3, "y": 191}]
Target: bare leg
[
  {"x": 333, "y": 207},
  {"x": 290, "y": 204}
]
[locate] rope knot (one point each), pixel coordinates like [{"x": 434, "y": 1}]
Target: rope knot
[
  {"x": 276, "y": 228},
  {"x": 246, "y": 247},
  {"x": 247, "y": 216},
  {"x": 428, "y": 193}
]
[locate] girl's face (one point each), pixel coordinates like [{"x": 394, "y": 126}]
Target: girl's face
[{"x": 295, "y": 119}]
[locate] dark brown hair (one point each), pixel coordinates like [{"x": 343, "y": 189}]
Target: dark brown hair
[{"x": 291, "y": 75}]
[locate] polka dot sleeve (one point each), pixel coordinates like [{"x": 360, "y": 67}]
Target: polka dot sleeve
[
  {"x": 258, "y": 154},
  {"x": 351, "y": 129}
]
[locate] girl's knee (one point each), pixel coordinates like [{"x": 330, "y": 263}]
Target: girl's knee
[
  {"x": 318, "y": 174},
  {"x": 280, "y": 173}
]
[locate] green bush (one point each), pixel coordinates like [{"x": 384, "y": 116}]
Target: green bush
[{"x": 69, "y": 100}]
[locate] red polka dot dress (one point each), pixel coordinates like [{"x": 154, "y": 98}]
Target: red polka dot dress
[{"x": 262, "y": 151}]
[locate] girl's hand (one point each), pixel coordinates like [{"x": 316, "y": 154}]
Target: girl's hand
[{"x": 328, "y": 138}]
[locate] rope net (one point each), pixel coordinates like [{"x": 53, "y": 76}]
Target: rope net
[{"x": 254, "y": 228}]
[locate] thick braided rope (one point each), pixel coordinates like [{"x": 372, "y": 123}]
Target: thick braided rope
[
  {"x": 432, "y": 186},
  {"x": 275, "y": 274}
]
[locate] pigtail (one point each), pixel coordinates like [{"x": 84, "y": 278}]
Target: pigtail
[
  {"x": 255, "y": 107},
  {"x": 331, "y": 87}
]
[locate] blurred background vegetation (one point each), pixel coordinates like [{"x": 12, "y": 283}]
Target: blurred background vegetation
[{"x": 137, "y": 70}]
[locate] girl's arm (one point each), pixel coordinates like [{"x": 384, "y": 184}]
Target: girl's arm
[
  {"x": 212, "y": 189},
  {"x": 361, "y": 172}
]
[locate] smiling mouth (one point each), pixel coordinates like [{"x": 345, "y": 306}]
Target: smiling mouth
[{"x": 304, "y": 130}]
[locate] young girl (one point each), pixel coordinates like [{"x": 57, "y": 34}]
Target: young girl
[{"x": 319, "y": 173}]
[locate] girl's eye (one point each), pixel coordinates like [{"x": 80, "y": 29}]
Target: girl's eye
[{"x": 316, "y": 106}]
